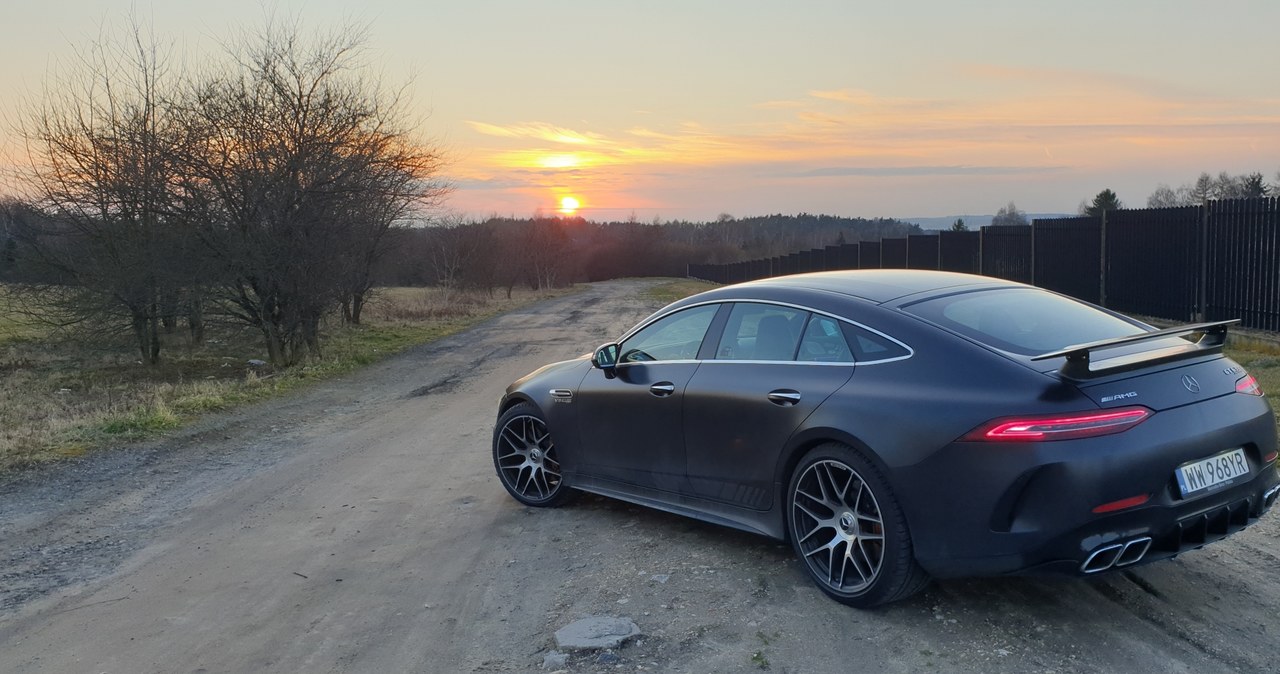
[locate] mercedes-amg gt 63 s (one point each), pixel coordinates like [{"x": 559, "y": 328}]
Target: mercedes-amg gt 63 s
[{"x": 901, "y": 425}]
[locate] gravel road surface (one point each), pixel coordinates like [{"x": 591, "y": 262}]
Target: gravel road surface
[{"x": 358, "y": 527}]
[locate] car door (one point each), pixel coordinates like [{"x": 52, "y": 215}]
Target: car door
[
  {"x": 773, "y": 366},
  {"x": 631, "y": 424}
]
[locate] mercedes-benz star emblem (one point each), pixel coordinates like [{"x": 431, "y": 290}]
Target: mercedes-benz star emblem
[{"x": 1190, "y": 383}]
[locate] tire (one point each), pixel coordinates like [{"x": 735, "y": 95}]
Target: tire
[
  {"x": 846, "y": 526},
  {"x": 526, "y": 459}
]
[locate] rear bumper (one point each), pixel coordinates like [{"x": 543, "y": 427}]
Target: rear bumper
[
  {"x": 982, "y": 509},
  {"x": 1127, "y": 539}
]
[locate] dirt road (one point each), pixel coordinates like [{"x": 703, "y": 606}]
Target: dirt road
[{"x": 358, "y": 527}]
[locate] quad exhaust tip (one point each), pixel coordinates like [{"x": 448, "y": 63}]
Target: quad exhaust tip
[{"x": 1117, "y": 555}]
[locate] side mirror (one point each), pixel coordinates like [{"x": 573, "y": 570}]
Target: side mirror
[{"x": 606, "y": 358}]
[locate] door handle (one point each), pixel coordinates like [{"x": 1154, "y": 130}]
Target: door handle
[
  {"x": 662, "y": 389},
  {"x": 784, "y": 397}
]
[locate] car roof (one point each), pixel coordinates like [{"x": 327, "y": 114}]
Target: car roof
[{"x": 881, "y": 285}]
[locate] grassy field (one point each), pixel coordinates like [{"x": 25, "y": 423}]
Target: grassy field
[
  {"x": 63, "y": 397},
  {"x": 678, "y": 289}
]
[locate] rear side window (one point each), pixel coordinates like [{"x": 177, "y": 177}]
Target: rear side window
[
  {"x": 869, "y": 347},
  {"x": 1026, "y": 321},
  {"x": 824, "y": 342},
  {"x": 761, "y": 332}
]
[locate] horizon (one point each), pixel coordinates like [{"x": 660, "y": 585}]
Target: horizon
[{"x": 684, "y": 111}]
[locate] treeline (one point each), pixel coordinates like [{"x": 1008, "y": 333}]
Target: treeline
[
  {"x": 544, "y": 252},
  {"x": 1207, "y": 188},
  {"x": 264, "y": 188}
]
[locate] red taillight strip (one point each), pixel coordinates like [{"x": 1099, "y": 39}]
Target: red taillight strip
[
  {"x": 1248, "y": 386},
  {"x": 1122, "y": 504},
  {"x": 1270, "y": 457},
  {"x": 1058, "y": 426}
]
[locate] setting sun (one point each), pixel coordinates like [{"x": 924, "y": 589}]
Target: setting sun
[{"x": 569, "y": 205}]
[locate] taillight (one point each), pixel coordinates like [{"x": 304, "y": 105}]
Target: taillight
[
  {"x": 1248, "y": 386},
  {"x": 1058, "y": 426}
]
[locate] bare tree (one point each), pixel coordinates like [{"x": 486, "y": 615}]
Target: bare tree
[
  {"x": 546, "y": 253},
  {"x": 101, "y": 147},
  {"x": 453, "y": 246},
  {"x": 1167, "y": 197},
  {"x": 301, "y": 164},
  {"x": 1010, "y": 215}
]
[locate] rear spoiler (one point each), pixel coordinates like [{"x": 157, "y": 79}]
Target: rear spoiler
[{"x": 1213, "y": 337}]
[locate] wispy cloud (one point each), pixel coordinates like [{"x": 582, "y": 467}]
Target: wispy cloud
[{"x": 538, "y": 131}]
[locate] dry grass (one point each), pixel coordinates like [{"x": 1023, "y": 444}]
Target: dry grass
[
  {"x": 61, "y": 397},
  {"x": 679, "y": 289}
]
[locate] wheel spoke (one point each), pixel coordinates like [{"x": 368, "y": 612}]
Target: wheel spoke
[
  {"x": 844, "y": 491},
  {"x": 810, "y": 513},
  {"x": 821, "y": 471}
]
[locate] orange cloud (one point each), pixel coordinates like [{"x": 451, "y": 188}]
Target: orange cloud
[{"x": 1046, "y": 121}]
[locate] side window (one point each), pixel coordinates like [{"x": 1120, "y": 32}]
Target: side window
[
  {"x": 824, "y": 342},
  {"x": 674, "y": 337},
  {"x": 761, "y": 332},
  {"x": 869, "y": 346}
]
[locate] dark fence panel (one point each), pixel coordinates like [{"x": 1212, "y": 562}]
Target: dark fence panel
[
  {"x": 833, "y": 258},
  {"x": 819, "y": 259},
  {"x": 960, "y": 251},
  {"x": 1153, "y": 262},
  {"x": 1068, "y": 256},
  {"x": 806, "y": 262},
  {"x": 922, "y": 251},
  {"x": 1242, "y": 266},
  {"x": 849, "y": 256},
  {"x": 893, "y": 253},
  {"x": 869, "y": 255},
  {"x": 1006, "y": 252}
]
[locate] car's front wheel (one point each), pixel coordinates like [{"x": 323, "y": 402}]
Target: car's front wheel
[
  {"x": 849, "y": 530},
  {"x": 526, "y": 458}
]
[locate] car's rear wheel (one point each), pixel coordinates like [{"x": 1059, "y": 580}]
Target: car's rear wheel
[
  {"x": 526, "y": 458},
  {"x": 849, "y": 530}
]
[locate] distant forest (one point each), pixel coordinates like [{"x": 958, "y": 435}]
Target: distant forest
[{"x": 549, "y": 251}]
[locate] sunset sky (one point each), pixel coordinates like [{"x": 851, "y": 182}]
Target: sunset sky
[{"x": 689, "y": 109}]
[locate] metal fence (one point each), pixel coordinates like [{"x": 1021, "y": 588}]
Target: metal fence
[
  {"x": 1211, "y": 262},
  {"x": 1068, "y": 256}
]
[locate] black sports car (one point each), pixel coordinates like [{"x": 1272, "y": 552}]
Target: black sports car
[{"x": 897, "y": 425}]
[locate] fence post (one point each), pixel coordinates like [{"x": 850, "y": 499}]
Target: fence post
[
  {"x": 981, "y": 237},
  {"x": 1202, "y": 240},
  {"x": 1102, "y": 268},
  {"x": 1033, "y": 252}
]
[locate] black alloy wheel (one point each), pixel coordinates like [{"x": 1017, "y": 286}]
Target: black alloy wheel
[
  {"x": 526, "y": 459},
  {"x": 846, "y": 526}
]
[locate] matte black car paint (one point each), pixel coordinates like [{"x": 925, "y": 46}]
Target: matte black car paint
[{"x": 718, "y": 449}]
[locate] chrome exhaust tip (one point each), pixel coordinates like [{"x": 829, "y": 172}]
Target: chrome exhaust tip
[
  {"x": 1134, "y": 551},
  {"x": 1269, "y": 498},
  {"x": 1102, "y": 559},
  {"x": 1117, "y": 554}
]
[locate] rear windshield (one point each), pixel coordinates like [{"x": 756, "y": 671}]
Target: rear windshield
[{"x": 1025, "y": 321}]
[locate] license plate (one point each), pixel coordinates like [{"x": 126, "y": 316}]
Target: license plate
[{"x": 1212, "y": 471}]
